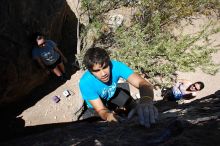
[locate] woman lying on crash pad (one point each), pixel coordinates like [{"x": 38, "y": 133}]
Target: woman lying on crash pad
[{"x": 182, "y": 89}]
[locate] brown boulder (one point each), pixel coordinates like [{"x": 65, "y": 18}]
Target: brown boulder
[{"x": 19, "y": 74}]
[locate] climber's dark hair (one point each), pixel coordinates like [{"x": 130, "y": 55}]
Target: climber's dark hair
[{"x": 94, "y": 56}]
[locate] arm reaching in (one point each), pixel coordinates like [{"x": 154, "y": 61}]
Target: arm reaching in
[
  {"x": 103, "y": 112},
  {"x": 146, "y": 111}
]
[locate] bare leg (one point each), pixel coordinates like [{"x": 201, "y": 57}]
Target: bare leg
[
  {"x": 61, "y": 67},
  {"x": 57, "y": 71}
]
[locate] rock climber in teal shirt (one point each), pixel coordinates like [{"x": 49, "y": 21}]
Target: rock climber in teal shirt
[{"x": 98, "y": 87}]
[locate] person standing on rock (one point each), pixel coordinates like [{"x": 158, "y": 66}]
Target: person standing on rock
[
  {"x": 99, "y": 88},
  {"x": 49, "y": 57}
]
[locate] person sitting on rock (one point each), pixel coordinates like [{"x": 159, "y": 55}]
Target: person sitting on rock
[
  {"x": 49, "y": 57},
  {"x": 182, "y": 89},
  {"x": 99, "y": 89}
]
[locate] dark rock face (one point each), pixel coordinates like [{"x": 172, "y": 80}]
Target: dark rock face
[
  {"x": 19, "y": 74},
  {"x": 192, "y": 124}
]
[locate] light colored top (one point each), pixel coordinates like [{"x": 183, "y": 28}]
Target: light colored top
[{"x": 179, "y": 89}]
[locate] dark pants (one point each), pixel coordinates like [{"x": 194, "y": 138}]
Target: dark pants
[
  {"x": 52, "y": 66},
  {"x": 121, "y": 103},
  {"x": 167, "y": 94}
]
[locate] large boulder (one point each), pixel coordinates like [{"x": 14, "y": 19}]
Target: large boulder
[
  {"x": 19, "y": 74},
  {"x": 191, "y": 124}
]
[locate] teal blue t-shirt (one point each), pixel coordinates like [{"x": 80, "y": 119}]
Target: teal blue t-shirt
[{"x": 92, "y": 88}]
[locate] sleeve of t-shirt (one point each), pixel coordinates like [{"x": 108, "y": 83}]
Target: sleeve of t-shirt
[
  {"x": 123, "y": 70},
  {"x": 52, "y": 43},
  {"x": 87, "y": 91}
]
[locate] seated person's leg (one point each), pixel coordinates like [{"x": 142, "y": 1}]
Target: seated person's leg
[
  {"x": 56, "y": 71},
  {"x": 61, "y": 67}
]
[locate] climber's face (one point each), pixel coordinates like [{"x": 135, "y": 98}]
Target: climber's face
[{"x": 101, "y": 72}]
